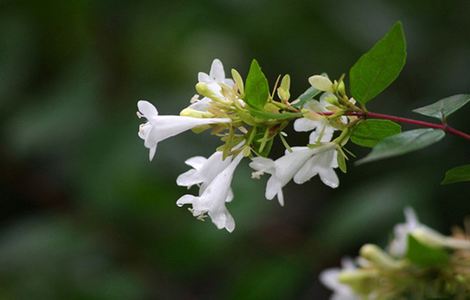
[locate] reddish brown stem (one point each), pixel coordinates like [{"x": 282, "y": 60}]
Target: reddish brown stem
[{"x": 373, "y": 115}]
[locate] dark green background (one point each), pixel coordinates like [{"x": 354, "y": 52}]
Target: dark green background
[{"x": 84, "y": 215}]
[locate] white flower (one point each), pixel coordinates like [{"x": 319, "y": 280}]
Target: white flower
[
  {"x": 288, "y": 166},
  {"x": 212, "y": 199},
  {"x": 323, "y": 164},
  {"x": 157, "y": 128},
  {"x": 399, "y": 245},
  {"x": 204, "y": 170},
  {"x": 215, "y": 78},
  {"x": 330, "y": 278},
  {"x": 322, "y": 131}
]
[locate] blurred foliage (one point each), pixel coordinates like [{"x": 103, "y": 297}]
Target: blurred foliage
[{"x": 86, "y": 216}]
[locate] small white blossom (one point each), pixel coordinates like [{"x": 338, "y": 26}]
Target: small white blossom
[
  {"x": 323, "y": 164},
  {"x": 288, "y": 166},
  {"x": 282, "y": 170},
  {"x": 212, "y": 200},
  {"x": 399, "y": 245},
  {"x": 215, "y": 78},
  {"x": 321, "y": 129},
  {"x": 157, "y": 128},
  {"x": 204, "y": 170},
  {"x": 330, "y": 278}
]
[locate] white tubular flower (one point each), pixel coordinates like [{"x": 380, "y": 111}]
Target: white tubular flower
[
  {"x": 322, "y": 131},
  {"x": 282, "y": 170},
  {"x": 330, "y": 279},
  {"x": 157, "y": 128},
  {"x": 215, "y": 78},
  {"x": 212, "y": 200},
  {"x": 323, "y": 163},
  {"x": 321, "y": 83},
  {"x": 399, "y": 245},
  {"x": 204, "y": 170}
]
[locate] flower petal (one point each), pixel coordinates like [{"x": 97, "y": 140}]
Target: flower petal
[
  {"x": 304, "y": 124},
  {"x": 217, "y": 71},
  {"x": 329, "y": 177},
  {"x": 152, "y": 152},
  {"x": 272, "y": 187},
  {"x": 196, "y": 162},
  {"x": 229, "y": 222},
  {"x": 280, "y": 197},
  {"x": 306, "y": 172},
  {"x": 189, "y": 178},
  {"x": 262, "y": 164},
  {"x": 147, "y": 109},
  {"x": 186, "y": 199},
  {"x": 203, "y": 77}
]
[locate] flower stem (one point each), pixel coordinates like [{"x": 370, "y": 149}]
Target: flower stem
[{"x": 373, "y": 115}]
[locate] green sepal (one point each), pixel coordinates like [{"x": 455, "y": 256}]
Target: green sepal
[{"x": 256, "y": 87}]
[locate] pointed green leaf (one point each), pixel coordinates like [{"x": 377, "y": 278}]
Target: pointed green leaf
[
  {"x": 369, "y": 132},
  {"x": 457, "y": 174},
  {"x": 256, "y": 87},
  {"x": 380, "y": 66},
  {"x": 403, "y": 143},
  {"x": 423, "y": 255},
  {"x": 444, "y": 107}
]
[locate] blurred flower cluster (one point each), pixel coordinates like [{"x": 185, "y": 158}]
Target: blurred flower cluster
[
  {"x": 247, "y": 117},
  {"x": 419, "y": 263}
]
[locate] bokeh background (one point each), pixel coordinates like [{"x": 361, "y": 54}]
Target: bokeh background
[{"x": 84, "y": 215}]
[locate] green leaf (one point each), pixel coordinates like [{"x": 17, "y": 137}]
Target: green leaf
[
  {"x": 402, "y": 143},
  {"x": 256, "y": 87},
  {"x": 369, "y": 132},
  {"x": 424, "y": 256},
  {"x": 444, "y": 107},
  {"x": 380, "y": 66},
  {"x": 457, "y": 174},
  {"x": 276, "y": 116}
]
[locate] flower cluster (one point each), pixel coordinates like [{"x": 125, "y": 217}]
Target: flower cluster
[
  {"x": 416, "y": 259},
  {"x": 247, "y": 119}
]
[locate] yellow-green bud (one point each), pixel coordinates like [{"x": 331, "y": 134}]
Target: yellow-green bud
[
  {"x": 189, "y": 112},
  {"x": 321, "y": 83},
  {"x": 378, "y": 257}
]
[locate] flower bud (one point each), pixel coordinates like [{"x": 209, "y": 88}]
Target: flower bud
[
  {"x": 433, "y": 238},
  {"x": 378, "y": 257},
  {"x": 189, "y": 112},
  {"x": 321, "y": 83}
]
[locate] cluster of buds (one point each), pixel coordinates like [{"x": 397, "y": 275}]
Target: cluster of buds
[
  {"x": 419, "y": 263},
  {"x": 247, "y": 118}
]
